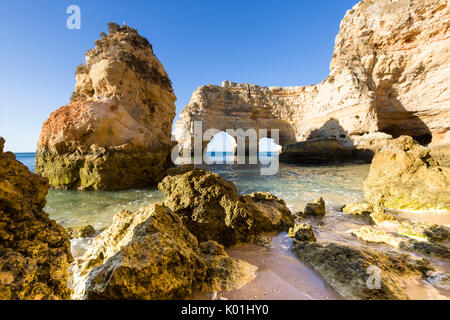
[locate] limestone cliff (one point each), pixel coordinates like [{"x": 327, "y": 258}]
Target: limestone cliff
[
  {"x": 115, "y": 133},
  {"x": 34, "y": 250},
  {"x": 389, "y": 75}
]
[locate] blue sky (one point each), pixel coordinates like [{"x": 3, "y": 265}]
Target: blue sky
[{"x": 283, "y": 43}]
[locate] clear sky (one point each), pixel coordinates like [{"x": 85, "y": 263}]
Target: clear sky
[{"x": 266, "y": 42}]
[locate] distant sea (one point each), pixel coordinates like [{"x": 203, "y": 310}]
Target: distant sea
[{"x": 27, "y": 158}]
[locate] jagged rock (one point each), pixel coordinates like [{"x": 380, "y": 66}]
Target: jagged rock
[
  {"x": 380, "y": 216},
  {"x": 224, "y": 273},
  {"x": 34, "y": 250},
  {"x": 316, "y": 208},
  {"x": 150, "y": 254},
  {"x": 358, "y": 209},
  {"x": 81, "y": 232},
  {"x": 211, "y": 208},
  {"x": 302, "y": 232},
  {"x": 349, "y": 269},
  {"x": 373, "y": 235},
  {"x": 300, "y": 215},
  {"x": 161, "y": 261},
  {"x": 431, "y": 232},
  {"x": 115, "y": 133},
  {"x": 404, "y": 176},
  {"x": 387, "y": 54}
]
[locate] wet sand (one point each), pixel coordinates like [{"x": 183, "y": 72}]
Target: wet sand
[{"x": 280, "y": 276}]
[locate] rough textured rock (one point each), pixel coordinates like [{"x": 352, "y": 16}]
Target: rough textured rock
[
  {"x": 115, "y": 133},
  {"x": 373, "y": 235},
  {"x": 347, "y": 269},
  {"x": 429, "y": 231},
  {"x": 302, "y": 232},
  {"x": 404, "y": 176},
  {"x": 34, "y": 250},
  {"x": 161, "y": 261},
  {"x": 358, "y": 209},
  {"x": 387, "y": 54},
  {"x": 150, "y": 254},
  {"x": 81, "y": 232},
  {"x": 211, "y": 208},
  {"x": 224, "y": 273},
  {"x": 316, "y": 208}
]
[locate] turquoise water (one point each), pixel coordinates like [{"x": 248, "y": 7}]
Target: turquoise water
[{"x": 295, "y": 184}]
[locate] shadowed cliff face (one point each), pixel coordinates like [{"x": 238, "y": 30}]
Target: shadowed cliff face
[
  {"x": 389, "y": 74},
  {"x": 115, "y": 133}
]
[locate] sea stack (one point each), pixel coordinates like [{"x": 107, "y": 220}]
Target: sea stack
[{"x": 115, "y": 132}]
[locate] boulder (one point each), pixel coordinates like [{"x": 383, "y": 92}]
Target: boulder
[
  {"x": 81, "y": 232},
  {"x": 316, "y": 208},
  {"x": 302, "y": 232},
  {"x": 116, "y": 131},
  {"x": 361, "y": 273},
  {"x": 373, "y": 235},
  {"x": 212, "y": 209},
  {"x": 429, "y": 231},
  {"x": 224, "y": 273},
  {"x": 358, "y": 209},
  {"x": 34, "y": 250},
  {"x": 150, "y": 254},
  {"x": 161, "y": 261},
  {"x": 404, "y": 176}
]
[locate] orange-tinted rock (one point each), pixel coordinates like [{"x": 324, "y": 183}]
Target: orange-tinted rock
[{"x": 115, "y": 133}]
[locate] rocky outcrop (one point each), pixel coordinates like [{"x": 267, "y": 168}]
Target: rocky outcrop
[
  {"x": 81, "y": 232},
  {"x": 150, "y": 254},
  {"x": 387, "y": 54},
  {"x": 370, "y": 234},
  {"x": 224, "y": 273},
  {"x": 405, "y": 176},
  {"x": 358, "y": 209},
  {"x": 316, "y": 208},
  {"x": 34, "y": 250},
  {"x": 353, "y": 271},
  {"x": 211, "y": 208},
  {"x": 161, "y": 261},
  {"x": 115, "y": 133},
  {"x": 302, "y": 232}
]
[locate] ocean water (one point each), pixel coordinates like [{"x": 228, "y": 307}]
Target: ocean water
[
  {"x": 280, "y": 274},
  {"x": 296, "y": 184}
]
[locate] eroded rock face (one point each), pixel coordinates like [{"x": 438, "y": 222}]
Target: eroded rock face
[
  {"x": 370, "y": 234},
  {"x": 302, "y": 232},
  {"x": 387, "y": 54},
  {"x": 34, "y": 250},
  {"x": 115, "y": 133},
  {"x": 316, "y": 208},
  {"x": 347, "y": 269},
  {"x": 150, "y": 254},
  {"x": 224, "y": 273},
  {"x": 161, "y": 261},
  {"x": 405, "y": 176},
  {"x": 211, "y": 208}
]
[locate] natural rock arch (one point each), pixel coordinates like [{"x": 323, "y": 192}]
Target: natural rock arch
[{"x": 387, "y": 55}]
